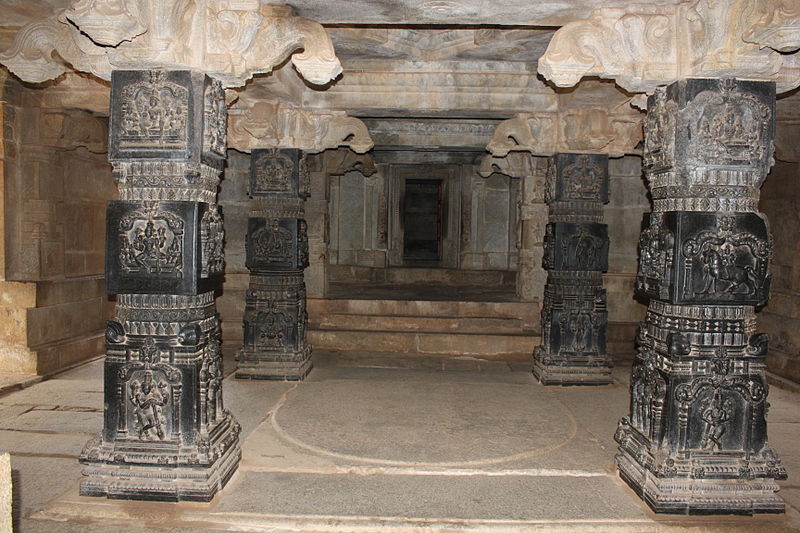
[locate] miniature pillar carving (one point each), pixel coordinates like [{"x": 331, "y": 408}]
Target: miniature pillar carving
[
  {"x": 574, "y": 316},
  {"x": 275, "y": 317},
  {"x": 695, "y": 440},
  {"x": 166, "y": 434}
]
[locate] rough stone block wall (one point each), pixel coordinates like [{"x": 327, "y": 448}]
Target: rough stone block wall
[
  {"x": 780, "y": 318},
  {"x": 627, "y": 205},
  {"x": 56, "y": 185}
]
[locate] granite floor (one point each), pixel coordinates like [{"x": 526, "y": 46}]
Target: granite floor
[{"x": 378, "y": 442}]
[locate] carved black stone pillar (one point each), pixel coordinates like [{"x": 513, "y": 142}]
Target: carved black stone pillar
[
  {"x": 696, "y": 437},
  {"x": 275, "y": 318},
  {"x": 166, "y": 434},
  {"x": 574, "y": 316}
]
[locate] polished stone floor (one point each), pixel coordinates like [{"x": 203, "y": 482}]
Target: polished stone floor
[{"x": 378, "y": 442}]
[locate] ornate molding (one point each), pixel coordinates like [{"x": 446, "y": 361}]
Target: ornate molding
[
  {"x": 643, "y": 46},
  {"x": 280, "y": 125},
  {"x": 615, "y": 132},
  {"x": 230, "y": 41}
]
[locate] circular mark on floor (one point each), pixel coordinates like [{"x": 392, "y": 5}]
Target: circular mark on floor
[{"x": 425, "y": 423}]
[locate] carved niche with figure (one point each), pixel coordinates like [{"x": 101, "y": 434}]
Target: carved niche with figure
[{"x": 703, "y": 257}]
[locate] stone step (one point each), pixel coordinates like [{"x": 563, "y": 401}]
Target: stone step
[
  {"x": 494, "y": 347},
  {"x": 526, "y": 312},
  {"x": 483, "y": 325},
  {"x": 414, "y": 275}
]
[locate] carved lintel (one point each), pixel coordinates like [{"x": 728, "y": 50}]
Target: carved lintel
[
  {"x": 642, "y": 46},
  {"x": 277, "y": 124},
  {"x": 230, "y": 42}
]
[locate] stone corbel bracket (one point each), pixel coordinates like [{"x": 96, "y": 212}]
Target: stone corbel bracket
[
  {"x": 340, "y": 162},
  {"x": 514, "y": 165},
  {"x": 277, "y": 124},
  {"x": 643, "y": 46},
  {"x": 582, "y": 130},
  {"x": 98, "y": 36}
]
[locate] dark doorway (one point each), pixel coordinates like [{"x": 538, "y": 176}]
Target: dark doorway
[{"x": 422, "y": 220}]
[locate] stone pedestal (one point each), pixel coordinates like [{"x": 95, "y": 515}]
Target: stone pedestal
[
  {"x": 695, "y": 441},
  {"x": 574, "y": 316},
  {"x": 275, "y": 317},
  {"x": 166, "y": 433}
]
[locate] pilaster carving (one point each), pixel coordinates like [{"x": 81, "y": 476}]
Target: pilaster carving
[
  {"x": 166, "y": 433},
  {"x": 695, "y": 440},
  {"x": 643, "y": 46},
  {"x": 281, "y": 125},
  {"x": 230, "y": 41}
]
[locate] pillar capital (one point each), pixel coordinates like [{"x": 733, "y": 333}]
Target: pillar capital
[
  {"x": 230, "y": 40},
  {"x": 642, "y": 46}
]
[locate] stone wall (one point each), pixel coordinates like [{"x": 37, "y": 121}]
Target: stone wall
[
  {"x": 628, "y": 202},
  {"x": 56, "y": 182},
  {"x": 780, "y": 318}
]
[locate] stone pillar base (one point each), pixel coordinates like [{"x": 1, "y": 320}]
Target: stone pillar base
[
  {"x": 687, "y": 495},
  {"x": 549, "y": 370},
  {"x": 162, "y": 471},
  {"x": 279, "y": 367}
]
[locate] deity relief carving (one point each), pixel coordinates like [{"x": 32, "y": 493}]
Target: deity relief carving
[
  {"x": 659, "y": 141},
  {"x": 725, "y": 263},
  {"x": 212, "y": 236},
  {"x": 154, "y": 114},
  {"x": 215, "y": 119},
  {"x": 581, "y": 251},
  {"x": 656, "y": 256},
  {"x": 648, "y": 392},
  {"x": 272, "y": 243},
  {"x": 151, "y": 243},
  {"x": 149, "y": 399},
  {"x": 583, "y": 180},
  {"x": 717, "y": 413},
  {"x": 728, "y": 128},
  {"x": 272, "y": 171}
]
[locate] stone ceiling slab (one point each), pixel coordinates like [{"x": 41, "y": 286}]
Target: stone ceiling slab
[{"x": 463, "y": 12}]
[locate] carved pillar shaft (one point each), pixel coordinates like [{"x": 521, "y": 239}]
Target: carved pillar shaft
[
  {"x": 695, "y": 440},
  {"x": 275, "y": 317},
  {"x": 574, "y": 316},
  {"x": 166, "y": 434}
]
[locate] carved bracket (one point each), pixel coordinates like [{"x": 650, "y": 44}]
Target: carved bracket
[
  {"x": 615, "y": 132},
  {"x": 642, "y": 46},
  {"x": 280, "y": 125},
  {"x": 98, "y": 36}
]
